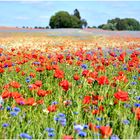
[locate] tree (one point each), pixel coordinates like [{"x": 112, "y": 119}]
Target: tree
[
  {"x": 84, "y": 23},
  {"x": 109, "y": 26},
  {"x": 77, "y": 14},
  {"x": 61, "y": 19},
  {"x": 121, "y": 24},
  {"x": 75, "y": 22}
]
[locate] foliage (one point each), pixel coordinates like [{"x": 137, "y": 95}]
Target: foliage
[
  {"x": 121, "y": 24},
  {"x": 77, "y": 14},
  {"x": 63, "y": 19}
]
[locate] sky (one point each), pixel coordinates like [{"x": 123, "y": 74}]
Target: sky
[{"x": 37, "y": 13}]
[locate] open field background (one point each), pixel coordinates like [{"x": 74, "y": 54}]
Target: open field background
[{"x": 73, "y": 32}]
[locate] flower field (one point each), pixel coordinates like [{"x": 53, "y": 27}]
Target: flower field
[{"x": 69, "y": 87}]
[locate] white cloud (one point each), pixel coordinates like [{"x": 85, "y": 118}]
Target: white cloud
[{"x": 22, "y": 18}]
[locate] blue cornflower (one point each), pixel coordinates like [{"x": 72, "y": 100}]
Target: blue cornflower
[
  {"x": 16, "y": 109},
  {"x": 49, "y": 56},
  {"x": 134, "y": 77},
  {"x": 5, "y": 66},
  {"x": 127, "y": 105},
  {"x": 25, "y": 135},
  {"x": 61, "y": 115},
  {"x": 114, "y": 137},
  {"x": 13, "y": 64},
  {"x": 62, "y": 120},
  {"x": 78, "y": 127},
  {"x": 5, "y": 125},
  {"x": 90, "y": 52},
  {"x": 76, "y": 113},
  {"x": 136, "y": 104},
  {"x": 12, "y": 113},
  {"x": 27, "y": 80},
  {"x": 114, "y": 65},
  {"x": 98, "y": 119},
  {"x": 54, "y": 63},
  {"x": 9, "y": 108},
  {"x": 133, "y": 83},
  {"x": 82, "y": 134},
  {"x": 85, "y": 126},
  {"x": 137, "y": 97},
  {"x": 98, "y": 126},
  {"x": 1, "y": 107},
  {"x": 56, "y": 119},
  {"x": 84, "y": 66},
  {"x": 54, "y": 102},
  {"x": 37, "y": 63},
  {"x": 63, "y": 123},
  {"x": 126, "y": 121},
  {"x": 51, "y": 134},
  {"x": 50, "y": 129},
  {"x": 125, "y": 68}
]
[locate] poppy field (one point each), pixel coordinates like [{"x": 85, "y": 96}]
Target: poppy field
[{"x": 69, "y": 87}]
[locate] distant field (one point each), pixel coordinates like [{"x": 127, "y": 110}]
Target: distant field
[{"x": 72, "y": 32}]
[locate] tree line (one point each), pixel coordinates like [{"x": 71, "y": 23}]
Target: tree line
[
  {"x": 63, "y": 19},
  {"x": 121, "y": 24}
]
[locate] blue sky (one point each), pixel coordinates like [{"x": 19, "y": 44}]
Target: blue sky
[{"x": 38, "y": 13}]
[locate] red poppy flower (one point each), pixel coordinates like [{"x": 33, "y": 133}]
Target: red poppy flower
[
  {"x": 40, "y": 102},
  {"x": 39, "y": 69},
  {"x": 20, "y": 101},
  {"x": 38, "y": 83},
  {"x": 30, "y": 101},
  {"x": 67, "y": 137},
  {"x": 94, "y": 112},
  {"x": 90, "y": 80},
  {"x": 23, "y": 73},
  {"x": 93, "y": 127},
  {"x": 15, "y": 95},
  {"x": 1, "y": 70},
  {"x": 106, "y": 131},
  {"x": 93, "y": 74},
  {"x": 6, "y": 86},
  {"x": 12, "y": 49},
  {"x": 48, "y": 67},
  {"x": 1, "y": 50},
  {"x": 102, "y": 80},
  {"x": 15, "y": 84},
  {"x": 76, "y": 77},
  {"x": 33, "y": 87},
  {"x": 85, "y": 73},
  {"x": 121, "y": 95},
  {"x": 6, "y": 94},
  {"x": 137, "y": 113},
  {"x": 41, "y": 93},
  {"x": 59, "y": 74},
  {"x": 32, "y": 75},
  {"x": 52, "y": 108},
  {"x": 17, "y": 69},
  {"x": 64, "y": 84},
  {"x": 87, "y": 100}
]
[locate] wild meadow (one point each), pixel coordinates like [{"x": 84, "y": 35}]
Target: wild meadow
[{"x": 69, "y": 87}]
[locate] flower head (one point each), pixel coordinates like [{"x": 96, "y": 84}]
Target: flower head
[{"x": 25, "y": 135}]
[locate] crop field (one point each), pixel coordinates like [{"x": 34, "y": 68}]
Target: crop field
[{"x": 69, "y": 87}]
